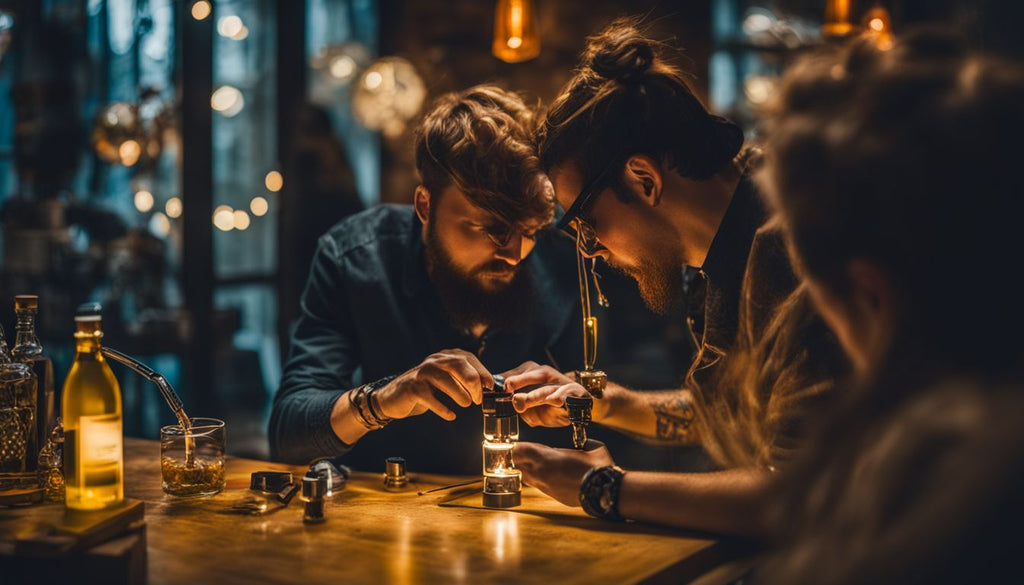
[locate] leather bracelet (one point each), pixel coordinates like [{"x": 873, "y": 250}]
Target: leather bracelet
[
  {"x": 599, "y": 492},
  {"x": 371, "y": 400},
  {"x": 355, "y": 399}
]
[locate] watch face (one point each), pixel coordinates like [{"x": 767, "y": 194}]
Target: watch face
[{"x": 606, "y": 498}]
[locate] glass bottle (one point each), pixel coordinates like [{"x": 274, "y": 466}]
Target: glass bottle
[
  {"x": 17, "y": 422},
  {"x": 91, "y": 409},
  {"x": 28, "y": 350}
]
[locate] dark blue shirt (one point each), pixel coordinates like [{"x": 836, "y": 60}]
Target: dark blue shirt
[{"x": 369, "y": 311}]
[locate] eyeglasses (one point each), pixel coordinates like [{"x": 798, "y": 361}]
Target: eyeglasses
[{"x": 573, "y": 222}]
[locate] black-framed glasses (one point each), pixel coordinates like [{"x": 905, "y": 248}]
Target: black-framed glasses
[{"x": 573, "y": 222}]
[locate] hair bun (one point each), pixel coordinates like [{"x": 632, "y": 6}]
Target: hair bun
[{"x": 619, "y": 52}]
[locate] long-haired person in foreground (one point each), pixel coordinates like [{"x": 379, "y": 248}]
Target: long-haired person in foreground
[
  {"x": 659, "y": 188},
  {"x": 895, "y": 177}
]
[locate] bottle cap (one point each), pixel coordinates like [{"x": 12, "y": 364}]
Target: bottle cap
[
  {"x": 88, "y": 312},
  {"x": 26, "y": 302}
]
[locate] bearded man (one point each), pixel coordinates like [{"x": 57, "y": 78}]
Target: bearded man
[{"x": 408, "y": 309}]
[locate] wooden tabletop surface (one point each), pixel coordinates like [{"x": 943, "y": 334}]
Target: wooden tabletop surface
[{"x": 375, "y": 536}]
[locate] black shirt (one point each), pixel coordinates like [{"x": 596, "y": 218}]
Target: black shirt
[
  {"x": 714, "y": 290},
  {"x": 370, "y": 311}
]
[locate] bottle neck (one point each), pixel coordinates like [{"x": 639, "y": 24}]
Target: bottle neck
[
  {"x": 26, "y": 344},
  {"x": 88, "y": 336}
]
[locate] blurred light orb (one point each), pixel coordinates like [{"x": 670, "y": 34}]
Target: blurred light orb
[
  {"x": 339, "y": 64},
  {"x": 173, "y": 207},
  {"x": 242, "y": 34},
  {"x": 259, "y": 206},
  {"x": 159, "y": 224},
  {"x": 758, "y": 88},
  {"x": 201, "y": 9},
  {"x": 144, "y": 201},
  {"x": 373, "y": 80},
  {"x": 274, "y": 181},
  {"x": 343, "y": 67},
  {"x": 227, "y": 100},
  {"x": 515, "y": 42},
  {"x": 224, "y": 218},
  {"x": 129, "y": 151},
  {"x": 388, "y": 95},
  {"x": 117, "y": 134},
  {"x": 230, "y": 26},
  {"x": 241, "y": 219},
  {"x": 758, "y": 20}
]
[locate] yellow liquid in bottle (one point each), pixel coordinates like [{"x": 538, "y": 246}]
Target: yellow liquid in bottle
[{"x": 93, "y": 442}]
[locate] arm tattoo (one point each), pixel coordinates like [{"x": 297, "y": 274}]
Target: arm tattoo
[{"x": 674, "y": 418}]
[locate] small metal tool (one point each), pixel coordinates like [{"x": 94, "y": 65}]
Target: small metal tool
[
  {"x": 314, "y": 490},
  {"x": 448, "y": 487},
  {"x": 579, "y": 408},
  {"x": 395, "y": 478},
  {"x": 336, "y": 474},
  {"x": 270, "y": 481}
]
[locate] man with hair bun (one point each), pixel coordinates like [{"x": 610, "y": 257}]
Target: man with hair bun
[
  {"x": 408, "y": 309},
  {"x": 661, "y": 189}
]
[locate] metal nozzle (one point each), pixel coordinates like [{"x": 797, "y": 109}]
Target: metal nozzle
[{"x": 579, "y": 408}]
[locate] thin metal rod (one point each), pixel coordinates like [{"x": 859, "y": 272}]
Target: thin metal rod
[
  {"x": 448, "y": 487},
  {"x": 170, "y": 396}
]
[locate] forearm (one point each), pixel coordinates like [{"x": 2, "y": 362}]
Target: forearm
[
  {"x": 301, "y": 427},
  {"x": 345, "y": 421},
  {"x": 663, "y": 415},
  {"x": 723, "y": 502}
]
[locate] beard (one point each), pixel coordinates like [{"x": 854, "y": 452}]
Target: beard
[
  {"x": 660, "y": 281},
  {"x": 507, "y": 306}
]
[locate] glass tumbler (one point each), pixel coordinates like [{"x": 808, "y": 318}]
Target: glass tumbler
[{"x": 192, "y": 463}]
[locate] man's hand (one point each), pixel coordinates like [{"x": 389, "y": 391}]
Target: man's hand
[
  {"x": 454, "y": 372},
  {"x": 558, "y": 472},
  {"x": 533, "y": 374},
  {"x": 540, "y": 401}
]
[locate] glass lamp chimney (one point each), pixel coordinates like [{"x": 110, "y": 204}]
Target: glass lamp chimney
[{"x": 502, "y": 481}]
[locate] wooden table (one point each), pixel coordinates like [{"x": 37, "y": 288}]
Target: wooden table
[{"x": 375, "y": 536}]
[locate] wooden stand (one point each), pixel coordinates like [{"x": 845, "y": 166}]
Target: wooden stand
[{"x": 48, "y": 544}]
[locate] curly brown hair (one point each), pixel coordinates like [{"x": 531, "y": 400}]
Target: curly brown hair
[{"x": 481, "y": 141}]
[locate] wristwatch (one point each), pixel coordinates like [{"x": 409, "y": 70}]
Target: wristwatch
[{"x": 599, "y": 492}]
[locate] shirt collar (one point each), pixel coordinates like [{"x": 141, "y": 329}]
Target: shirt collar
[{"x": 731, "y": 244}]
